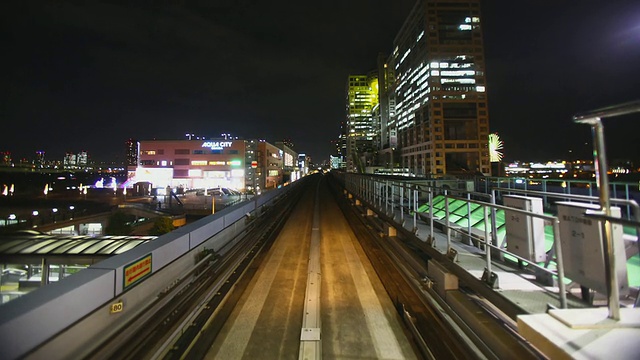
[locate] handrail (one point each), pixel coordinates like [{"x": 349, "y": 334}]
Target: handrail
[
  {"x": 593, "y": 119},
  {"x": 556, "y": 243},
  {"x": 374, "y": 190}
]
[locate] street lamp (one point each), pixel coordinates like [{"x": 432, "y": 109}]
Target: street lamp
[{"x": 34, "y": 215}]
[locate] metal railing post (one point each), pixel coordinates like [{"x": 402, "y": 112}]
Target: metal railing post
[
  {"x": 469, "y": 217},
  {"x": 431, "y": 213},
  {"x": 487, "y": 240},
  {"x": 603, "y": 186},
  {"x": 593, "y": 118},
  {"x": 393, "y": 204},
  {"x": 494, "y": 227},
  {"x": 559, "y": 264},
  {"x": 402, "y": 203},
  {"x": 415, "y": 208},
  {"x": 446, "y": 222}
]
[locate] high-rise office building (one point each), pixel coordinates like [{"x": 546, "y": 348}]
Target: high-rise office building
[
  {"x": 362, "y": 124},
  {"x": 388, "y": 139},
  {"x": 6, "y": 158},
  {"x": 291, "y": 172},
  {"x": 40, "y": 162},
  {"x": 340, "y": 146},
  {"x": 83, "y": 159},
  {"x": 132, "y": 152},
  {"x": 70, "y": 161},
  {"x": 435, "y": 88}
]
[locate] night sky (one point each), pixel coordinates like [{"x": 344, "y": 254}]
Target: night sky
[{"x": 89, "y": 75}]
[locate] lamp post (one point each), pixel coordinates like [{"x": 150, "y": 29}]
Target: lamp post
[
  {"x": 34, "y": 215},
  {"x": 593, "y": 118}
]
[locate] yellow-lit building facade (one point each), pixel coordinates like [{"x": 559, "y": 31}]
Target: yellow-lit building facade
[{"x": 362, "y": 125}]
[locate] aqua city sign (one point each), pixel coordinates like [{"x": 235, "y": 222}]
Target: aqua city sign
[{"x": 217, "y": 145}]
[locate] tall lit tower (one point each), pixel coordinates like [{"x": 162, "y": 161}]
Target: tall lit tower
[
  {"x": 362, "y": 124},
  {"x": 437, "y": 84},
  {"x": 132, "y": 147},
  {"x": 39, "y": 159}
]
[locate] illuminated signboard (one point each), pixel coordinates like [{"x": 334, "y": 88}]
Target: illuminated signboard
[
  {"x": 217, "y": 145},
  {"x": 137, "y": 271}
]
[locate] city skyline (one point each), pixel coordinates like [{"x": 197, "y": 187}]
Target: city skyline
[{"x": 91, "y": 76}]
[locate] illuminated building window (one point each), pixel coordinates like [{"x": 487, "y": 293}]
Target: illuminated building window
[
  {"x": 237, "y": 173},
  {"x": 148, "y": 152},
  {"x": 195, "y": 173},
  {"x": 199, "y": 162},
  {"x": 217, "y": 163}
]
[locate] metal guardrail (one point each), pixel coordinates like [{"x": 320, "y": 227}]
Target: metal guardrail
[
  {"x": 594, "y": 118},
  {"x": 83, "y": 299},
  {"x": 407, "y": 196}
]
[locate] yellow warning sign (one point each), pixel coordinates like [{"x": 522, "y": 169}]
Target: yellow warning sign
[
  {"x": 137, "y": 270},
  {"x": 117, "y": 307}
]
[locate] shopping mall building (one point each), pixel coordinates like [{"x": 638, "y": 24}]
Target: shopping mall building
[{"x": 241, "y": 165}]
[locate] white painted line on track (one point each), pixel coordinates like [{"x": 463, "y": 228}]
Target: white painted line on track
[
  {"x": 385, "y": 342},
  {"x": 311, "y": 333}
]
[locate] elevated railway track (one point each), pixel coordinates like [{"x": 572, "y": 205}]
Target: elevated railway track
[{"x": 244, "y": 285}]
